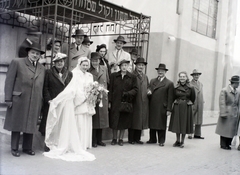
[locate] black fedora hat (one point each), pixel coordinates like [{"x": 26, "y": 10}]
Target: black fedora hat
[
  {"x": 87, "y": 40},
  {"x": 35, "y": 46},
  {"x": 120, "y": 38},
  {"x": 33, "y": 31},
  {"x": 162, "y": 66},
  {"x": 134, "y": 51},
  {"x": 99, "y": 47},
  {"x": 234, "y": 79},
  {"x": 79, "y": 32},
  {"x": 95, "y": 56},
  {"x": 140, "y": 60},
  {"x": 123, "y": 61}
]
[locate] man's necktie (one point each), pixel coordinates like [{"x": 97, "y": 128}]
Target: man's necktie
[
  {"x": 33, "y": 63},
  {"x": 77, "y": 47},
  {"x": 117, "y": 54}
]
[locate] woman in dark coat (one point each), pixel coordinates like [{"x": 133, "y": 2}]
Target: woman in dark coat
[
  {"x": 56, "y": 79},
  {"x": 123, "y": 87},
  {"x": 102, "y": 50},
  {"x": 181, "y": 121},
  {"x": 100, "y": 119}
]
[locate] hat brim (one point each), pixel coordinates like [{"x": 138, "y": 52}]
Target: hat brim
[
  {"x": 34, "y": 48},
  {"x": 195, "y": 74},
  {"x": 119, "y": 64},
  {"x": 141, "y": 62},
  {"x": 161, "y": 68},
  {"x": 115, "y": 40},
  {"x": 59, "y": 59},
  {"x": 34, "y": 33},
  {"x": 79, "y": 35},
  {"x": 234, "y": 81}
]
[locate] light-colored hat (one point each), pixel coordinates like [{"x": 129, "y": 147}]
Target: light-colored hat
[
  {"x": 59, "y": 56},
  {"x": 195, "y": 71}
]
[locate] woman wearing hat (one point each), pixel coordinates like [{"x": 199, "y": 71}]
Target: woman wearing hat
[
  {"x": 118, "y": 53},
  {"x": 100, "y": 119},
  {"x": 23, "y": 95},
  {"x": 51, "y": 48},
  {"x": 56, "y": 79},
  {"x": 140, "y": 104},
  {"x": 229, "y": 103},
  {"x": 123, "y": 88},
  {"x": 69, "y": 124},
  {"x": 181, "y": 121}
]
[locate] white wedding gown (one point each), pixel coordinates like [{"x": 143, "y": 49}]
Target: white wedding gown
[{"x": 69, "y": 123}]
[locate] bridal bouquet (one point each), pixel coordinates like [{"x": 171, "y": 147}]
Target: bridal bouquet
[{"x": 95, "y": 93}]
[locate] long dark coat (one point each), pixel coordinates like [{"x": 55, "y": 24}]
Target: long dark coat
[
  {"x": 181, "y": 121},
  {"x": 229, "y": 105},
  {"x": 141, "y": 103},
  {"x": 160, "y": 102},
  {"x": 198, "y": 104},
  {"x": 24, "y": 86},
  {"x": 53, "y": 85},
  {"x": 118, "y": 86},
  {"x": 100, "y": 119}
]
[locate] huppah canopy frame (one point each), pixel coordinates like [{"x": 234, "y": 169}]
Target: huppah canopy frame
[{"x": 60, "y": 18}]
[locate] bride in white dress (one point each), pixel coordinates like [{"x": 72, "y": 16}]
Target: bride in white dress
[{"x": 69, "y": 123}]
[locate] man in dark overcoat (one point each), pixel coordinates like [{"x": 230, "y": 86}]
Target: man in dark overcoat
[
  {"x": 100, "y": 119},
  {"x": 56, "y": 79},
  {"x": 23, "y": 95},
  {"x": 77, "y": 50},
  {"x": 140, "y": 104},
  {"x": 161, "y": 93}
]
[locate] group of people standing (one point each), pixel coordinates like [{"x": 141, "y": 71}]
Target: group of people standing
[{"x": 71, "y": 123}]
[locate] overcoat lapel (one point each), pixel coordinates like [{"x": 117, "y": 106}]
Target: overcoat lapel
[
  {"x": 100, "y": 73},
  {"x": 157, "y": 84},
  {"x": 39, "y": 69},
  {"x": 30, "y": 66},
  {"x": 55, "y": 74}
]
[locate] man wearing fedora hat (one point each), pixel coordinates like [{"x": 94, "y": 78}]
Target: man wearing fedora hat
[
  {"x": 100, "y": 119},
  {"x": 56, "y": 79},
  {"x": 198, "y": 104},
  {"x": 33, "y": 35},
  {"x": 23, "y": 95},
  {"x": 140, "y": 104},
  {"x": 118, "y": 53},
  {"x": 77, "y": 50},
  {"x": 161, "y": 92},
  {"x": 134, "y": 56},
  {"x": 87, "y": 42},
  {"x": 229, "y": 103}
]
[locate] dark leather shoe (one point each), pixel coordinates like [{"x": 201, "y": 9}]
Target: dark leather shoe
[
  {"x": 94, "y": 145},
  {"x": 46, "y": 149},
  {"x": 139, "y": 142},
  {"x": 176, "y": 144},
  {"x": 120, "y": 142},
  {"x": 101, "y": 143},
  {"x": 161, "y": 144},
  {"x": 189, "y": 137},
  {"x": 151, "y": 142},
  {"x": 114, "y": 142},
  {"x": 15, "y": 153},
  {"x": 181, "y": 145},
  {"x": 29, "y": 152},
  {"x": 198, "y": 137},
  {"x": 131, "y": 142}
]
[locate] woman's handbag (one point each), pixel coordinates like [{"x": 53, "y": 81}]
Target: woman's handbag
[{"x": 126, "y": 107}]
